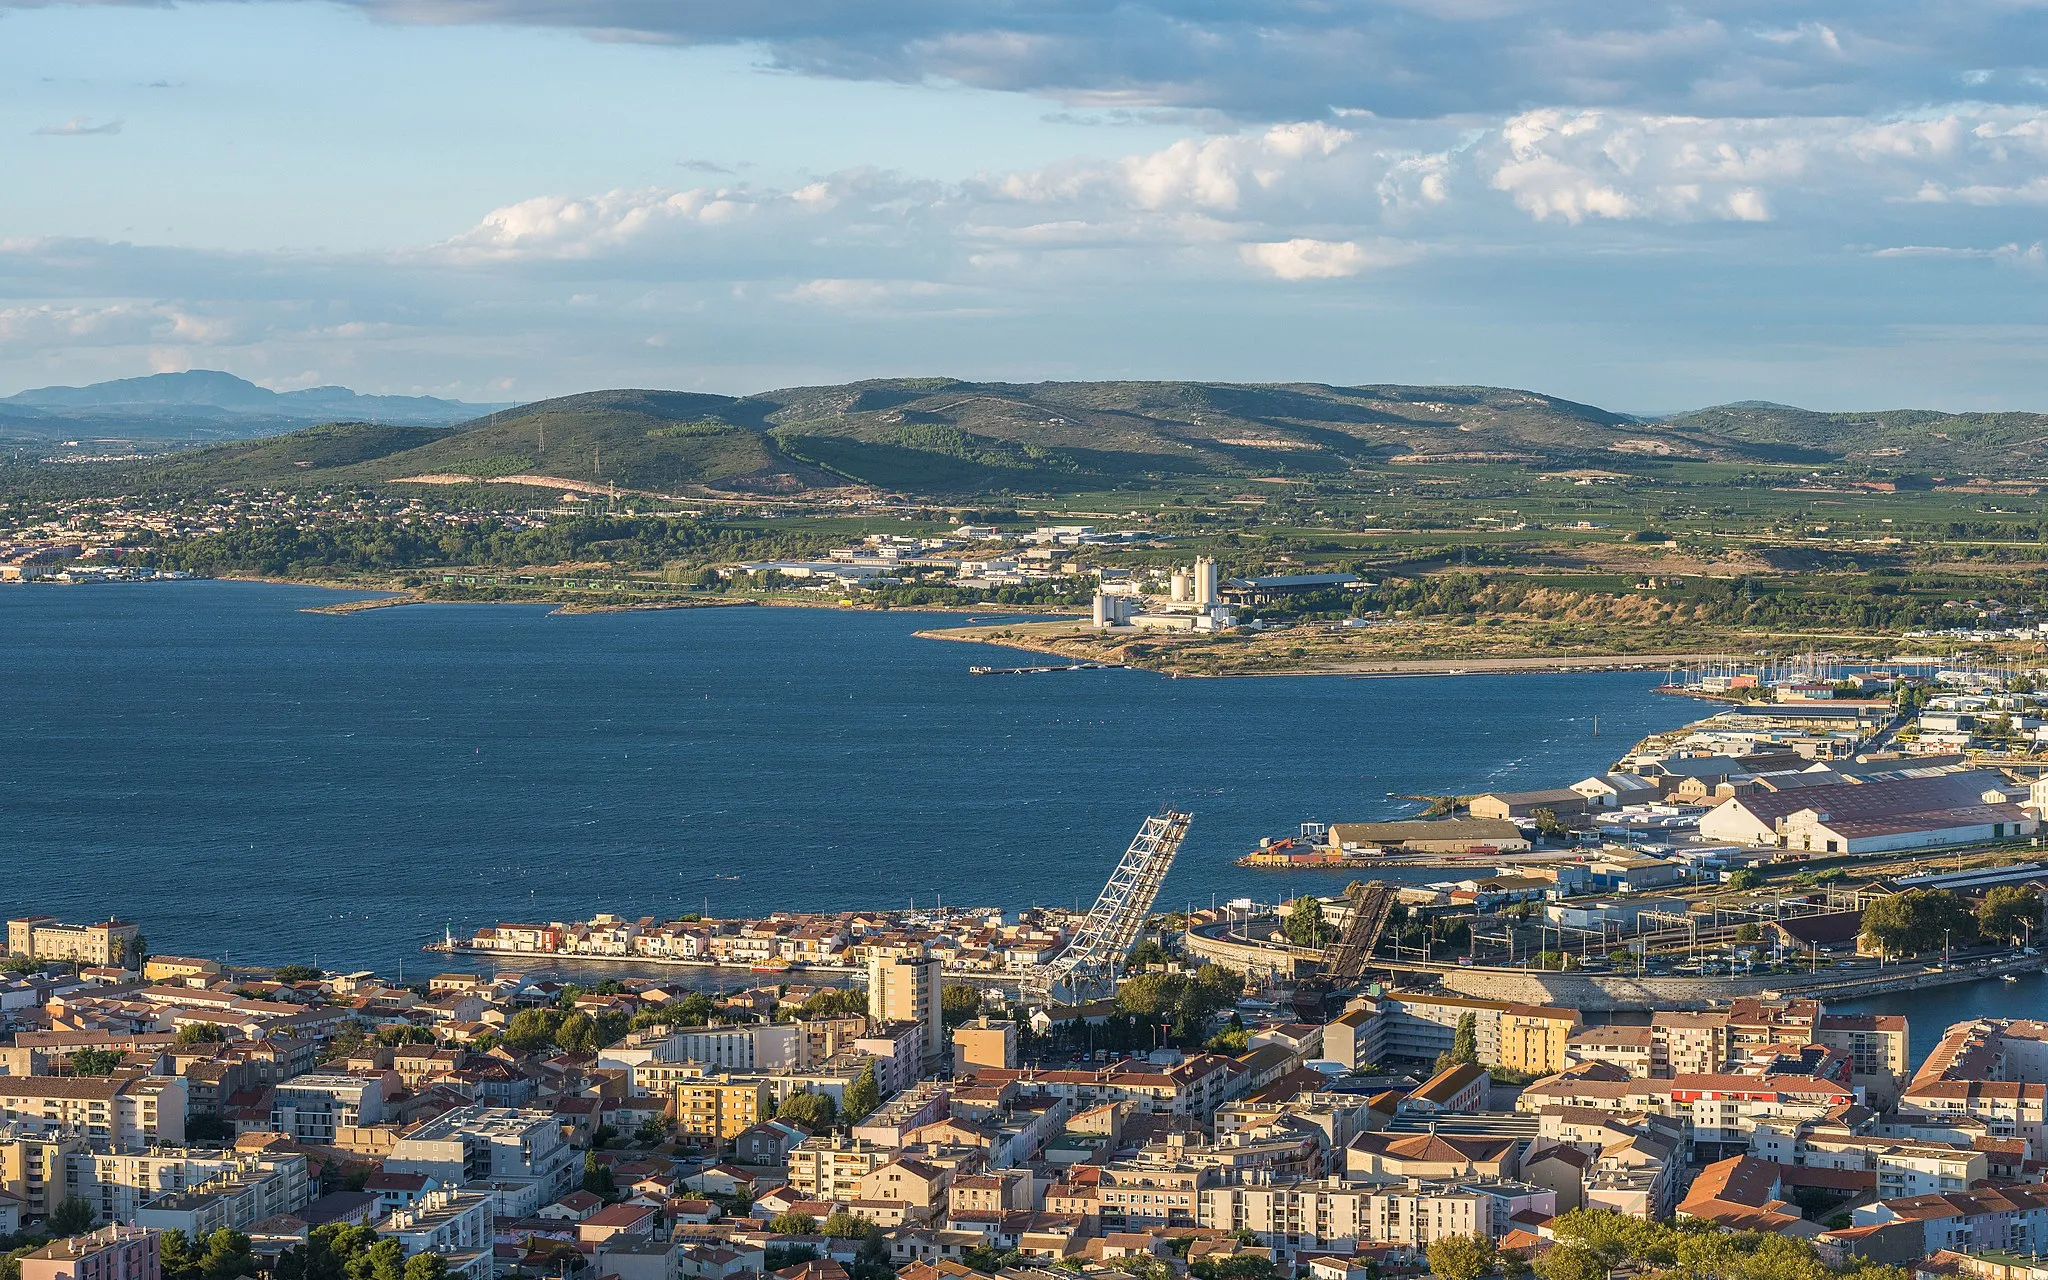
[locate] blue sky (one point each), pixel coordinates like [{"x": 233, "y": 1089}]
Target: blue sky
[{"x": 1646, "y": 206}]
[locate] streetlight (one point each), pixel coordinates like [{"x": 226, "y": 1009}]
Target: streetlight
[{"x": 1944, "y": 947}]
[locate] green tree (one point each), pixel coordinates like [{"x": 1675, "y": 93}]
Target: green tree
[
  {"x": 1549, "y": 825},
  {"x": 844, "y": 1225},
  {"x": 652, "y": 1132},
  {"x": 73, "y": 1216},
  {"x": 1305, "y": 924},
  {"x": 297, "y": 973},
  {"x": 958, "y": 1001},
  {"x": 1460, "y": 1257},
  {"x": 399, "y": 1033},
  {"x": 2006, "y": 909},
  {"x": 871, "y": 1260},
  {"x": 1145, "y": 1266},
  {"x": 597, "y": 1177},
  {"x": 793, "y": 1224},
  {"x": 532, "y": 1030},
  {"x": 1243, "y": 1266},
  {"x": 577, "y": 1034},
  {"x": 227, "y": 1256},
  {"x": 1743, "y": 881},
  {"x": 1569, "y": 1262},
  {"x": 1918, "y": 920},
  {"x": 425, "y": 1266},
  {"x": 814, "y": 1111},
  {"x": 200, "y": 1033},
  {"x": 175, "y": 1256},
  {"x": 863, "y": 1095},
  {"x": 95, "y": 1062},
  {"x": 1465, "y": 1040},
  {"x": 1749, "y": 933}
]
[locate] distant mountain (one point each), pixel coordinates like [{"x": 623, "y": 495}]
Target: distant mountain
[
  {"x": 207, "y": 402},
  {"x": 944, "y": 438}
]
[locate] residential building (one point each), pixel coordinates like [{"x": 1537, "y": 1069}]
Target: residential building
[
  {"x": 111, "y": 1253},
  {"x": 120, "y": 1185},
  {"x": 2013, "y": 1219},
  {"x": 235, "y": 1196},
  {"x": 904, "y": 986},
  {"x": 984, "y": 1042},
  {"x": 1335, "y": 1216},
  {"x": 458, "y": 1225},
  {"x": 316, "y": 1106},
  {"x": 125, "y": 1111},
  {"x": 520, "y": 1155},
  {"x": 720, "y": 1108}
]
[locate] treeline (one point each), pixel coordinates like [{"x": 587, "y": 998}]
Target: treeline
[{"x": 283, "y": 549}]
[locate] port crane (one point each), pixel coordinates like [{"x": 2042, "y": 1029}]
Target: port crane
[{"x": 1092, "y": 962}]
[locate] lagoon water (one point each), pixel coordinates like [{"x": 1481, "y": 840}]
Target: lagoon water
[{"x": 249, "y": 779}]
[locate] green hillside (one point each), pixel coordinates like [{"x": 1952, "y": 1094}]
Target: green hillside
[
  {"x": 947, "y": 438},
  {"x": 1911, "y": 440}
]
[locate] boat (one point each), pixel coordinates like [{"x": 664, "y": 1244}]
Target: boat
[
  {"x": 773, "y": 966},
  {"x": 2008, "y": 977}
]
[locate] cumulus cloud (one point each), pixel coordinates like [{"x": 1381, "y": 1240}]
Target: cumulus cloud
[
  {"x": 1304, "y": 259},
  {"x": 79, "y": 127}
]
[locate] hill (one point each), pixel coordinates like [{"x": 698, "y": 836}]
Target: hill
[
  {"x": 942, "y": 437},
  {"x": 1907, "y": 440},
  {"x": 206, "y": 402}
]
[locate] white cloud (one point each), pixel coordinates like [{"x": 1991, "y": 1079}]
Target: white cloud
[
  {"x": 79, "y": 127},
  {"x": 1306, "y": 259}
]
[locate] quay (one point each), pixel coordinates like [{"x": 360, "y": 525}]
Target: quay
[{"x": 1062, "y": 666}]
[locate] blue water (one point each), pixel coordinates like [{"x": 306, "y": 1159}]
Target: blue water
[{"x": 250, "y": 780}]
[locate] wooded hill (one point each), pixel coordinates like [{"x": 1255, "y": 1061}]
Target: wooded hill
[{"x": 944, "y": 438}]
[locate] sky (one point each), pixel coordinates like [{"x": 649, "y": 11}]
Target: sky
[{"x": 1642, "y": 205}]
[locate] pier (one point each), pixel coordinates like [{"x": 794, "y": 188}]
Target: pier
[{"x": 1062, "y": 666}]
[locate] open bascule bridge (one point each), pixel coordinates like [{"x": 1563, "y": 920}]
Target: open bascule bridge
[{"x": 1093, "y": 962}]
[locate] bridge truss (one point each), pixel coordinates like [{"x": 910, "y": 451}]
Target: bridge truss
[
  {"x": 1345, "y": 959},
  {"x": 1093, "y": 961}
]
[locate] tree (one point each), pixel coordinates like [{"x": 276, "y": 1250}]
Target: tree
[
  {"x": 1549, "y": 825},
  {"x": 1145, "y": 1266},
  {"x": 814, "y": 1111},
  {"x": 871, "y": 1262},
  {"x": 1305, "y": 924},
  {"x": 297, "y": 973},
  {"x": 597, "y": 1178},
  {"x": 72, "y": 1216},
  {"x": 1918, "y": 920},
  {"x": 577, "y": 1034},
  {"x": 843, "y": 1225},
  {"x": 1148, "y": 952},
  {"x": 205, "y": 1126},
  {"x": 653, "y": 1131},
  {"x": 175, "y": 1257},
  {"x": 200, "y": 1033},
  {"x": 1243, "y": 1266},
  {"x": 399, "y": 1033},
  {"x": 1460, "y": 1257},
  {"x": 1751, "y": 932},
  {"x": 1743, "y": 881},
  {"x": 532, "y": 1030},
  {"x": 2006, "y": 908},
  {"x": 863, "y": 1095},
  {"x": 1569, "y": 1262},
  {"x": 425, "y": 1266},
  {"x": 793, "y": 1224},
  {"x": 958, "y": 1002},
  {"x": 95, "y": 1062},
  {"x": 1465, "y": 1040},
  {"x": 228, "y": 1255}
]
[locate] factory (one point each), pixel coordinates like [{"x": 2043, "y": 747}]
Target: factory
[{"x": 1192, "y": 603}]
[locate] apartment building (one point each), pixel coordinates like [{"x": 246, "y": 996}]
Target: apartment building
[
  {"x": 316, "y": 1106},
  {"x": 904, "y": 986},
  {"x": 34, "y": 1168},
  {"x": 1335, "y": 1216},
  {"x": 1992, "y": 1069},
  {"x": 761, "y": 1046},
  {"x": 112, "y": 1253},
  {"x": 125, "y": 1111},
  {"x": 719, "y": 1108},
  {"x": 1417, "y": 1025},
  {"x": 1194, "y": 1087},
  {"x": 830, "y": 1167},
  {"x": 520, "y": 1154},
  {"x": 121, "y": 1185},
  {"x": 458, "y": 1225},
  {"x": 1875, "y": 1044},
  {"x": 2010, "y": 1219},
  {"x": 237, "y": 1195}
]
